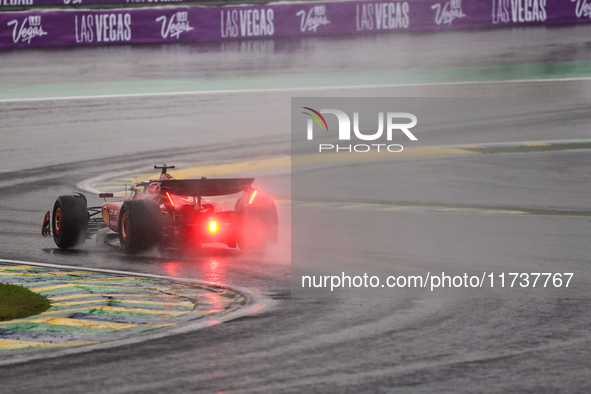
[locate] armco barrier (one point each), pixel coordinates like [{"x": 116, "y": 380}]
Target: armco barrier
[{"x": 184, "y": 24}]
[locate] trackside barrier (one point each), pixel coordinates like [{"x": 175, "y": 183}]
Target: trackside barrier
[
  {"x": 184, "y": 24},
  {"x": 41, "y": 3}
]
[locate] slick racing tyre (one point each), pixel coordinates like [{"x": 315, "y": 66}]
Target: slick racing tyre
[
  {"x": 139, "y": 225},
  {"x": 69, "y": 221},
  {"x": 259, "y": 224}
]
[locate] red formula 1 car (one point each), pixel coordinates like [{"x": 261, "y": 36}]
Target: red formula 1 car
[{"x": 169, "y": 212}]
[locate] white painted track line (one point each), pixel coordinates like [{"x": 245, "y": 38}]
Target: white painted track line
[{"x": 295, "y": 89}]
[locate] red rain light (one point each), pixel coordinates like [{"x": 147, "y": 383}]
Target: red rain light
[
  {"x": 170, "y": 199},
  {"x": 252, "y": 197},
  {"x": 213, "y": 226}
]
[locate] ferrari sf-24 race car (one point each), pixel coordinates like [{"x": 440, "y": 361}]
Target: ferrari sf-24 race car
[{"x": 169, "y": 213}]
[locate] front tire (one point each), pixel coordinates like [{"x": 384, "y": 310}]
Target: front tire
[
  {"x": 139, "y": 225},
  {"x": 70, "y": 221}
]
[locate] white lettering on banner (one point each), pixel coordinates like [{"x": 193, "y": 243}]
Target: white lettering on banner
[
  {"x": 29, "y": 29},
  {"x": 16, "y": 2},
  {"x": 84, "y": 28},
  {"x": 73, "y": 1},
  {"x": 382, "y": 16},
  {"x": 247, "y": 23},
  {"x": 583, "y": 8},
  {"x": 174, "y": 27},
  {"x": 229, "y": 24},
  {"x": 518, "y": 11},
  {"x": 315, "y": 17},
  {"x": 450, "y": 11},
  {"x": 113, "y": 27}
]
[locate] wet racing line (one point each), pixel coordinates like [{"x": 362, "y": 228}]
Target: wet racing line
[
  {"x": 116, "y": 182},
  {"x": 98, "y": 308}
]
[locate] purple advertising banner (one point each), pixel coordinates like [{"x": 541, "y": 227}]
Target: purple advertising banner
[
  {"x": 41, "y": 3},
  {"x": 181, "y": 24}
]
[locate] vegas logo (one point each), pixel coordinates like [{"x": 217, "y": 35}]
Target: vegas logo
[
  {"x": 315, "y": 17},
  {"x": 448, "y": 12},
  {"x": 29, "y": 29},
  {"x": 178, "y": 23},
  {"x": 518, "y": 11},
  {"x": 582, "y": 8}
]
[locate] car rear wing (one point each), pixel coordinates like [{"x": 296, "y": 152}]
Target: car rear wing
[{"x": 205, "y": 187}]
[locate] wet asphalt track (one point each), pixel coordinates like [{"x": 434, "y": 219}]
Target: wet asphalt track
[{"x": 299, "y": 345}]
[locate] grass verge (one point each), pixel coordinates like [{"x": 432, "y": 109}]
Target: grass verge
[{"x": 17, "y": 302}]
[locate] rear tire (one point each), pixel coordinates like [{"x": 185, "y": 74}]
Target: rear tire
[
  {"x": 69, "y": 221},
  {"x": 259, "y": 224},
  {"x": 139, "y": 225}
]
